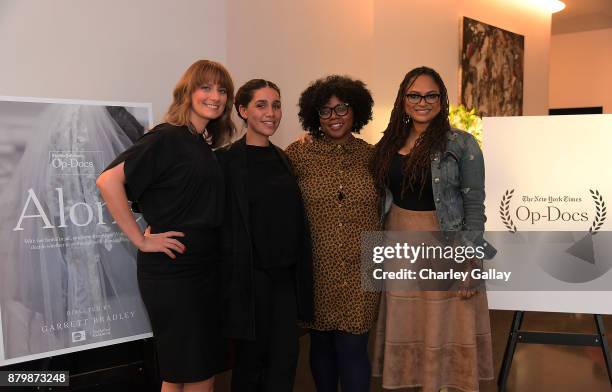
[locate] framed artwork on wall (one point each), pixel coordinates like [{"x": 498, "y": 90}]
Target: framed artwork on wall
[{"x": 491, "y": 69}]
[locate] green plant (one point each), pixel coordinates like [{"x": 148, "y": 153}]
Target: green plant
[{"x": 465, "y": 120}]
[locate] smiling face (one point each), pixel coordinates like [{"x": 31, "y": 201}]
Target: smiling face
[
  {"x": 207, "y": 103},
  {"x": 263, "y": 113},
  {"x": 422, "y": 112},
  {"x": 338, "y": 128}
]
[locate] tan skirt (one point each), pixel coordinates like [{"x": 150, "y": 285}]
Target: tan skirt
[{"x": 431, "y": 339}]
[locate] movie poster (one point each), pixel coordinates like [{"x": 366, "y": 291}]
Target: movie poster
[{"x": 67, "y": 272}]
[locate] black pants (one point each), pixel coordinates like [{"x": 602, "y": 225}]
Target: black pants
[
  {"x": 268, "y": 364},
  {"x": 339, "y": 355}
]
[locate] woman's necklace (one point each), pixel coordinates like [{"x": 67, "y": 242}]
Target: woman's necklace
[{"x": 204, "y": 134}]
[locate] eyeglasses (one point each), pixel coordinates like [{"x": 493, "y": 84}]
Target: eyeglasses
[
  {"x": 340, "y": 110},
  {"x": 416, "y": 98}
]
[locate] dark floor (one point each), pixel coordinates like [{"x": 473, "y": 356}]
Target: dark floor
[{"x": 537, "y": 368}]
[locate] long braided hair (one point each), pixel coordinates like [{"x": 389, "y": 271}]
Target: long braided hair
[{"x": 417, "y": 164}]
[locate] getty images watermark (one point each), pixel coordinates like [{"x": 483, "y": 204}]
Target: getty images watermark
[
  {"x": 423, "y": 256},
  {"x": 503, "y": 260}
]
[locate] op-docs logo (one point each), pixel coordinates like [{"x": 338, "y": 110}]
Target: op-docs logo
[
  {"x": 73, "y": 163},
  {"x": 536, "y": 210},
  {"x": 570, "y": 256}
]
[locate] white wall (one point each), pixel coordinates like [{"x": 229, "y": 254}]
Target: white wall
[
  {"x": 136, "y": 50},
  {"x": 409, "y": 34},
  {"x": 295, "y": 42},
  {"x": 580, "y": 70},
  {"x": 376, "y": 40},
  {"x": 111, "y": 50}
]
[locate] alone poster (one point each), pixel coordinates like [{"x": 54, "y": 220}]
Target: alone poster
[{"x": 67, "y": 273}]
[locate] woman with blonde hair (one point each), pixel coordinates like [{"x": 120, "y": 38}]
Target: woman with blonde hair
[{"x": 172, "y": 176}]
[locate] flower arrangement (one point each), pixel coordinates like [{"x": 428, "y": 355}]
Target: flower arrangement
[{"x": 465, "y": 120}]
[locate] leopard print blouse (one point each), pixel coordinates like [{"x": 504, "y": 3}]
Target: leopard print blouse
[{"x": 341, "y": 202}]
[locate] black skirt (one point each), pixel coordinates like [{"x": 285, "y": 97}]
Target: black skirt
[{"x": 183, "y": 300}]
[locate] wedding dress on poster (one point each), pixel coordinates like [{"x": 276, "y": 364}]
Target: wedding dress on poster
[{"x": 67, "y": 274}]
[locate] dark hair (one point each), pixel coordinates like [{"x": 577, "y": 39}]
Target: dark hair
[
  {"x": 353, "y": 92},
  {"x": 417, "y": 164},
  {"x": 203, "y": 71},
  {"x": 245, "y": 93}
]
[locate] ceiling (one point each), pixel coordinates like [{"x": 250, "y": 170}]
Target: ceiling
[{"x": 582, "y": 15}]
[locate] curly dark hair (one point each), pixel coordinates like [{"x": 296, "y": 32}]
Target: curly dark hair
[
  {"x": 245, "y": 93},
  {"x": 353, "y": 92},
  {"x": 417, "y": 164}
]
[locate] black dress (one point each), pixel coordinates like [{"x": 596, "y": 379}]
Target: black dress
[
  {"x": 268, "y": 266},
  {"x": 241, "y": 257},
  {"x": 176, "y": 182}
]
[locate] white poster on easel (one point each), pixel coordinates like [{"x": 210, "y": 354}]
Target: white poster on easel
[
  {"x": 67, "y": 273},
  {"x": 548, "y": 181}
]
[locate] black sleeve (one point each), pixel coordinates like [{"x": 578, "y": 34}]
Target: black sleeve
[{"x": 143, "y": 162}]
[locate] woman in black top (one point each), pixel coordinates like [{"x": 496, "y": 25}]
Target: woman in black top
[
  {"x": 428, "y": 338},
  {"x": 267, "y": 248},
  {"x": 173, "y": 177}
]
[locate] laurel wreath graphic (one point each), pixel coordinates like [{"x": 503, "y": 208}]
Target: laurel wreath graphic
[
  {"x": 504, "y": 211},
  {"x": 600, "y": 211}
]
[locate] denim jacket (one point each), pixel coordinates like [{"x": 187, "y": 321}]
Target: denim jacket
[{"x": 458, "y": 180}]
